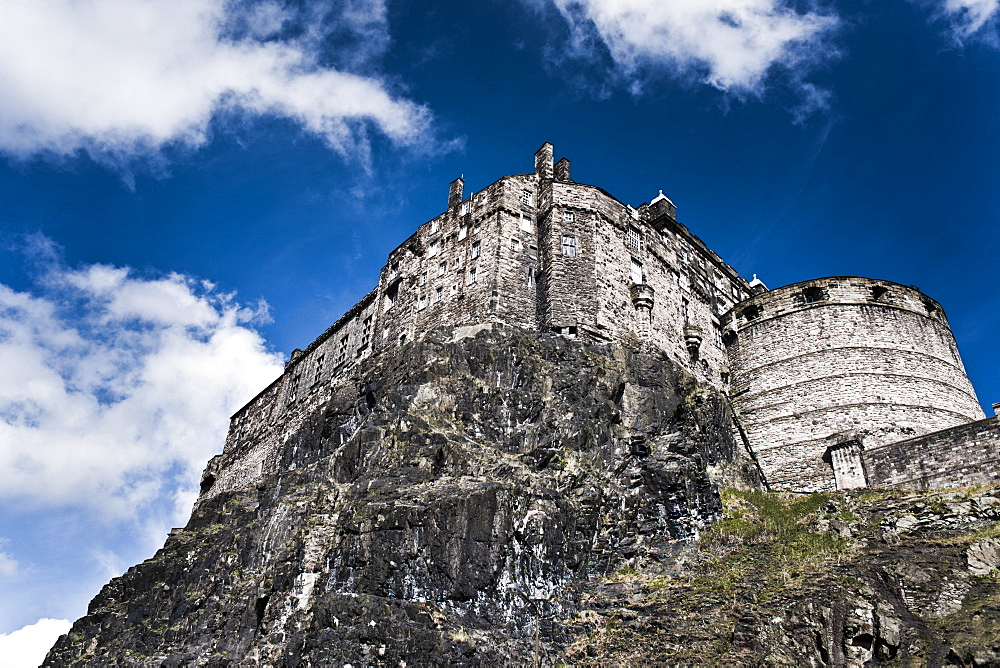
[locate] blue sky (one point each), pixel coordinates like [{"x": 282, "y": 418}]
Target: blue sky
[{"x": 193, "y": 188}]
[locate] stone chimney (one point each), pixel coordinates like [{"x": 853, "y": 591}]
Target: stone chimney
[
  {"x": 455, "y": 191},
  {"x": 562, "y": 170},
  {"x": 543, "y": 161}
]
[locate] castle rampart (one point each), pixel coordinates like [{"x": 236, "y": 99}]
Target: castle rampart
[
  {"x": 841, "y": 357},
  {"x": 819, "y": 372}
]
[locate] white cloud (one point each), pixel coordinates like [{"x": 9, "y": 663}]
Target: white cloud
[
  {"x": 118, "y": 388},
  {"x": 730, "y": 44},
  {"x": 970, "y": 16},
  {"x": 27, "y": 647},
  {"x": 124, "y": 78}
]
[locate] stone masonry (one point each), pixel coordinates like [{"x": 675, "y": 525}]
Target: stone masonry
[{"x": 810, "y": 367}]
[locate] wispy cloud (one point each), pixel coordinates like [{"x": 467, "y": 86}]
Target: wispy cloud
[
  {"x": 117, "y": 388},
  {"x": 8, "y": 565},
  {"x": 969, "y": 17},
  {"x": 122, "y": 79},
  {"x": 729, "y": 44}
]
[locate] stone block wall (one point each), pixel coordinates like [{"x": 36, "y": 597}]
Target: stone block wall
[
  {"x": 963, "y": 456},
  {"x": 541, "y": 252},
  {"x": 841, "y": 355}
]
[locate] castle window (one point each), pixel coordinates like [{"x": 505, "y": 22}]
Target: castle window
[
  {"x": 402, "y": 339},
  {"x": 391, "y": 296},
  {"x": 525, "y": 223},
  {"x": 526, "y": 197},
  {"x": 515, "y": 245},
  {"x": 454, "y": 288},
  {"x": 423, "y": 278},
  {"x": 531, "y": 275},
  {"x": 463, "y": 232},
  {"x": 476, "y": 247},
  {"x": 686, "y": 311},
  {"x": 366, "y": 333},
  {"x": 634, "y": 238},
  {"x": 637, "y": 273},
  {"x": 475, "y": 229},
  {"x": 319, "y": 367},
  {"x": 751, "y": 312},
  {"x": 472, "y": 275},
  {"x": 466, "y": 205},
  {"x": 568, "y": 245},
  {"x": 813, "y": 294},
  {"x": 293, "y": 388},
  {"x": 879, "y": 291},
  {"x": 433, "y": 248},
  {"x": 422, "y": 302},
  {"x": 717, "y": 331},
  {"x": 442, "y": 268},
  {"x": 385, "y": 332},
  {"x": 342, "y": 351},
  {"x": 435, "y": 226},
  {"x": 439, "y": 293},
  {"x": 568, "y": 216}
]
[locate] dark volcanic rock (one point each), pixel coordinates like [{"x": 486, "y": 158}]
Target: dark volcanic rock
[
  {"x": 514, "y": 500},
  {"x": 451, "y": 503}
]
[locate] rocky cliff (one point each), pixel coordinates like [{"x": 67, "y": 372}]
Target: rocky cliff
[{"x": 505, "y": 499}]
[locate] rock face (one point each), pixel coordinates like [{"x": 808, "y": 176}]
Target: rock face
[
  {"x": 506, "y": 499},
  {"x": 486, "y": 484}
]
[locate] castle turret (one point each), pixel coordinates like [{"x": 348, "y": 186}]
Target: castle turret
[{"x": 832, "y": 360}]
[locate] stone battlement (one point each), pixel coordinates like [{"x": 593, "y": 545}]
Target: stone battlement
[{"x": 803, "y": 363}]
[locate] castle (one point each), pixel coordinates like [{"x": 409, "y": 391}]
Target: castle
[{"x": 835, "y": 383}]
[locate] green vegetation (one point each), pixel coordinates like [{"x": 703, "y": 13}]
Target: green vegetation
[{"x": 765, "y": 540}]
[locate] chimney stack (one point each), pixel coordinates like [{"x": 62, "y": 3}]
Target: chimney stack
[
  {"x": 455, "y": 191},
  {"x": 543, "y": 161}
]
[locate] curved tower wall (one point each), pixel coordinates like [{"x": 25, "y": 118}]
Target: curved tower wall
[{"x": 827, "y": 360}]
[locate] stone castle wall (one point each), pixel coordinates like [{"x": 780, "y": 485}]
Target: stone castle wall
[
  {"x": 807, "y": 365},
  {"x": 964, "y": 456},
  {"x": 841, "y": 356},
  {"x": 536, "y": 251}
]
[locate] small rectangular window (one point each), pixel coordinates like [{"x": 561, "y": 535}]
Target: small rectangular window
[
  {"x": 525, "y": 223},
  {"x": 423, "y": 278},
  {"x": 435, "y": 226},
  {"x": 515, "y": 245},
  {"x": 433, "y": 248},
  {"x": 568, "y": 245},
  {"x": 439, "y": 293},
  {"x": 475, "y": 229},
  {"x": 634, "y": 238},
  {"x": 526, "y": 197},
  {"x": 385, "y": 332},
  {"x": 568, "y": 216},
  {"x": 476, "y": 247},
  {"x": 637, "y": 272},
  {"x": 472, "y": 275},
  {"x": 442, "y": 268},
  {"x": 319, "y": 367},
  {"x": 531, "y": 275},
  {"x": 463, "y": 232},
  {"x": 466, "y": 205}
]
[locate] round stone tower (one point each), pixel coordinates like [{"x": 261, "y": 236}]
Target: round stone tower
[{"x": 831, "y": 360}]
